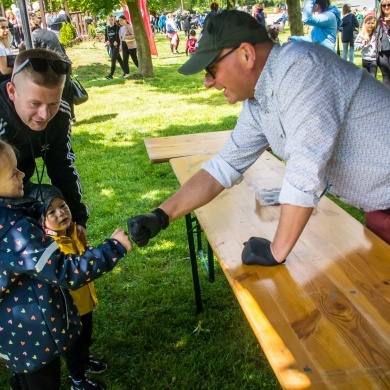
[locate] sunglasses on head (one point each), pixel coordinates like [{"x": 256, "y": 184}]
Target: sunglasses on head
[{"x": 41, "y": 65}]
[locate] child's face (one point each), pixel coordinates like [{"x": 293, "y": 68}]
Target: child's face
[
  {"x": 58, "y": 216},
  {"x": 11, "y": 179},
  {"x": 370, "y": 24},
  {"x": 111, "y": 21}
]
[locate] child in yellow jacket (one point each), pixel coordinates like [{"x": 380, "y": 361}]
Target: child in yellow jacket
[{"x": 59, "y": 225}]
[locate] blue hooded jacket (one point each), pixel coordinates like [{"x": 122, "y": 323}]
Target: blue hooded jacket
[
  {"x": 38, "y": 318},
  {"x": 325, "y": 25}
]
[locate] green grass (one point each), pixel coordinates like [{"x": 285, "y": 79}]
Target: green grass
[{"x": 146, "y": 327}]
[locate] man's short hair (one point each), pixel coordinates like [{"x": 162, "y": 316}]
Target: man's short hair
[{"x": 48, "y": 78}]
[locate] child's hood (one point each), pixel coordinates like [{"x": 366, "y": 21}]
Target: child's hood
[{"x": 13, "y": 209}]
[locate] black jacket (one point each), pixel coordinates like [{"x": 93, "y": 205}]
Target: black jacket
[
  {"x": 52, "y": 144},
  {"x": 112, "y": 34},
  {"x": 348, "y": 26}
]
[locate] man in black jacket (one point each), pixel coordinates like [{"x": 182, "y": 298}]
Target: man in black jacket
[
  {"x": 112, "y": 41},
  {"x": 35, "y": 120}
]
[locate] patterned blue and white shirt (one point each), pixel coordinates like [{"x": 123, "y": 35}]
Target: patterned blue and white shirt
[{"x": 327, "y": 118}]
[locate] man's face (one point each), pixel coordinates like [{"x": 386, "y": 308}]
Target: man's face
[
  {"x": 36, "y": 105},
  {"x": 220, "y": 77}
]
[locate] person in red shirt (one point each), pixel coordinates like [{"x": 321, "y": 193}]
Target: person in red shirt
[{"x": 191, "y": 44}]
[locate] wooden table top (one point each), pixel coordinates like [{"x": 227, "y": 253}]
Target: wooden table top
[
  {"x": 162, "y": 149},
  {"x": 323, "y": 318}
]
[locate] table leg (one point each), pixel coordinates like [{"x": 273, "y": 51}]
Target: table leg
[{"x": 194, "y": 265}]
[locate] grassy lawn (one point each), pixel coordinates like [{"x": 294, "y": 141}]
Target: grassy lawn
[{"x": 146, "y": 327}]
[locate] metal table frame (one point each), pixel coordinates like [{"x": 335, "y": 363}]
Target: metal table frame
[{"x": 194, "y": 229}]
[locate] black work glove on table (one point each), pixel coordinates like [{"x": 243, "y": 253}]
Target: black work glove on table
[
  {"x": 146, "y": 226},
  {"x": 257, "y": 251}
]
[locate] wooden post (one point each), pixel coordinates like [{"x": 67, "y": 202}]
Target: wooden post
[
  {"x": 25, "y": 24},
  {"x": 2, "y": 10},
  {"x": 43, "y": 14}
]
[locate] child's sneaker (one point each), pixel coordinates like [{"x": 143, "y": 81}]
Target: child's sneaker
[
  {"x": 109, "y": 77},
  {"x": 95, "y": 366},
  {"x": 86, "y": 384}
]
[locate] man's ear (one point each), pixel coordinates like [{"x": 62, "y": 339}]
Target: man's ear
[
  {"x": 248, "y": 53},
  {"x": 11, "y": 90}
]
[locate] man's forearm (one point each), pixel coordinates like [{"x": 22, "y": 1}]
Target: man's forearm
[
  {"x": 292, "y": 221},
  {"x": 196, "y": 192}
]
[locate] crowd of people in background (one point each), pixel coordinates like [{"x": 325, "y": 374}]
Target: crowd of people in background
[{"x": 346, "y": 31}]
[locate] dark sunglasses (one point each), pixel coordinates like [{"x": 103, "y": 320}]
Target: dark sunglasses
[
  {"x": 209, "y": 68},
  {"x": 41, "y": 65},
  {"x": 385, "y": 5}
]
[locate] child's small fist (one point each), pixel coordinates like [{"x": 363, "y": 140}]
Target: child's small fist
[{"x": 122, "y": 236}]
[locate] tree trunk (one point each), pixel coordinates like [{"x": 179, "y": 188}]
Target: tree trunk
[
  {"x": 145, "y": 64},
  {"x": 295, "y": 17},
  {"x": 230, "y": 4}
]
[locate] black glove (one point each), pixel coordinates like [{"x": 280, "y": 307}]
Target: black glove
[
  {"x": 257, "y": 251},
  {"x": 144, "y": 227}
]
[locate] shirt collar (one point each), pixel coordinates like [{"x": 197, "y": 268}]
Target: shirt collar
[{"x": 264, "y": 85}]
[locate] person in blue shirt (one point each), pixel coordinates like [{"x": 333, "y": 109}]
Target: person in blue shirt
[{"x": 325, "y": 19}]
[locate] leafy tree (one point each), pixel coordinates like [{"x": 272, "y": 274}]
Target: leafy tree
[
  {"x": 7, "y": 4},
  {"x": 67, "y": 33}
]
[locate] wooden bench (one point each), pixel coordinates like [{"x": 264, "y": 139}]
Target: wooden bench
[
  {"x": 323, "y": 318},
  {"x": 162, "y": 149}
]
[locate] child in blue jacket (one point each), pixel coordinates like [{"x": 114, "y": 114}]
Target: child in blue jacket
[
  {"x": 326, "y": 21},
  {"x": 38, "y": 319}
]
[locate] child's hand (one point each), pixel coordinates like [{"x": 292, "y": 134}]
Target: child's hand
[{"x": 123, "y": 238}]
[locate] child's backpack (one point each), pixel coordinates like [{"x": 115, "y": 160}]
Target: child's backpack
[{"x": 192, "y": 45}]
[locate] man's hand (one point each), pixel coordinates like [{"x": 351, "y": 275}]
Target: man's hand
[
  {"x": 257, "y": 251},
  {"x": 121, "y": 236},
  {"x": 81, "y": 234},
  {"x": 144, "y": 227}
]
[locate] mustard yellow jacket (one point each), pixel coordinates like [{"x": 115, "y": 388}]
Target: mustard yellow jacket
[{"x": 85, "y": 297}]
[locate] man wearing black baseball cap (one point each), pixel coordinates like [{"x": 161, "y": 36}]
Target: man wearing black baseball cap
[
  {"x": 228, "y": 30},
  {"x": 294, "y": 100}
]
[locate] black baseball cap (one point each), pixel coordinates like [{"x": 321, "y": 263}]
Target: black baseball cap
[{"x": 228, "y": 29}]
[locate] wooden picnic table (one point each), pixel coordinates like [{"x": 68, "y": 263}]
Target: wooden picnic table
[
  {"x": 162, "y": 149},
  {"x": 322, "y": 318}
]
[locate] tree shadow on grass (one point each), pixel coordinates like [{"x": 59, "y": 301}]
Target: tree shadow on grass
[
  {"x": 227, "y": 123},
  {"x": 138, "y": 136},
  {"x": 93, "y": 75},
  {"x": 167, "y": 79},
  {"x": 97, "y": 119}
]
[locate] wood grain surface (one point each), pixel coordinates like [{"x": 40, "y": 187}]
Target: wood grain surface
[{"x": 323, "y": 318}]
